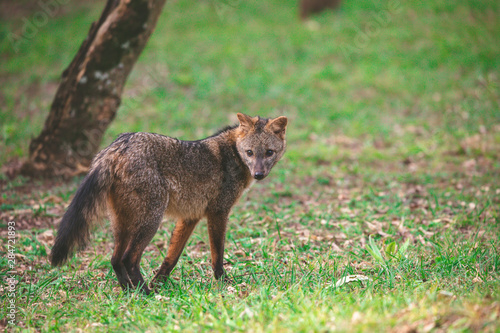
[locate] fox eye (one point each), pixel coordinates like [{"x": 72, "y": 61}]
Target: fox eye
[
  {"x": 269, "y": 153},
  {"x": 249, "y": 153}
]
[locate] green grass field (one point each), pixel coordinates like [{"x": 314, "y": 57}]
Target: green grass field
[{"x": 392, "y": 170}]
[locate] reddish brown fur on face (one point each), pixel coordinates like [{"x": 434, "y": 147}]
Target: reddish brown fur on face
[
  {"x": 145, "y": 176},
  {"x": 278, "y": 126},
  {"x": 247, "y": 123}
]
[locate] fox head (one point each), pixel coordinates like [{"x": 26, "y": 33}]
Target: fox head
[{"x": 261, "y": 143}]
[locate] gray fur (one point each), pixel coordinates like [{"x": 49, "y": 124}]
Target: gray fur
[{"x": 143, "y": 176}]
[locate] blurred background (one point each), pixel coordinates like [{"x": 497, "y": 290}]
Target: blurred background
[
  {"x": 392, "y": 168},
  {"x": 406, "y": 77}
]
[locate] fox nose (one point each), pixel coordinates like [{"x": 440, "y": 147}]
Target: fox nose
[{"x": 259, "y": 175}]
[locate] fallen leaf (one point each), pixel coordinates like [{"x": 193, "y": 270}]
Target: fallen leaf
[
  {"x": 349, "y": 279},
  {"x": 161, "y": 298},
  {"x": 46, "y": 237},
  {"x": 239, "y": 253}
]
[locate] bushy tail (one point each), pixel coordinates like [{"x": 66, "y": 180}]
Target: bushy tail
[{"x": 85, "y": 207}]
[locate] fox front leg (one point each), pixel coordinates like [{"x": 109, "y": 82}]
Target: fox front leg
[{"x": 217, "y": 223}]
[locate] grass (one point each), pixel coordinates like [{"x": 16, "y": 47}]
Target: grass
[{"x": 392, "y": 169}]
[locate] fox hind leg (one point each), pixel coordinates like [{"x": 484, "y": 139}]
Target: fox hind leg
[
  {"x": 132, "y": 256},
  {"x": 135, "y": 220},
  {"x": 178, "y": 240},
  {"x": 121, "y": 241}
]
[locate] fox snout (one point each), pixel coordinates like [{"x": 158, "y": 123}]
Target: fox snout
[
  {"x": 259, "y": 175},
  {"x": 259, "y": 171}
]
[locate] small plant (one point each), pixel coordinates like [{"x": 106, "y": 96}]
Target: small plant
[{"x": 392, "y": 255}]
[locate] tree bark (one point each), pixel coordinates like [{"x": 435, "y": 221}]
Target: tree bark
[
  {"x": 90, "y": 91},
  {"x": 308, "y": 7}
]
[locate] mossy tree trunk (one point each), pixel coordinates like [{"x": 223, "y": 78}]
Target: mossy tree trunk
[{"x": 90, "y": 91}]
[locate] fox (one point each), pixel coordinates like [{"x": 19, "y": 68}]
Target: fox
[{"x": 142, "y": 177}]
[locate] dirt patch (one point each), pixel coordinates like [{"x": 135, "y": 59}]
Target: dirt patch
[
  {"x": 34, "y": 204},
  {"x": 27, "y": 219}
]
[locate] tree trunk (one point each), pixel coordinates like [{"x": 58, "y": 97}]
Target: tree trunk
[
  {"x": 90, "y": 91},
  {"x": 308, "y": 7}
]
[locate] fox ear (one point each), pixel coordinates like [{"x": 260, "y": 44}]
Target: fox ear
[
  {"x": 246, "y": 122},
  {"x": 278, "y": 126}
]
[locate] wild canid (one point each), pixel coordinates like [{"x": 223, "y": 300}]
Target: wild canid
[{"x": 141, "y": 177}]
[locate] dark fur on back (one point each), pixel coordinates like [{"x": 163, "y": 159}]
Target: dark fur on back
[
  {"x": 74, "y": 227},
  {"x": 222, "y": 130}
]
